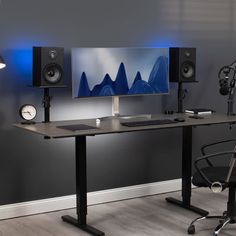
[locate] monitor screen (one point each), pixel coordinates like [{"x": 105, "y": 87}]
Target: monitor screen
[{"x": 119, "y": 71}]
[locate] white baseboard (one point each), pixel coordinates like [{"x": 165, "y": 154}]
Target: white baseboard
[{"x": 98, "y": 197}]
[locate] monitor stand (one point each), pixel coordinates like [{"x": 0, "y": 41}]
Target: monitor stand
[{"x": 116, "y": 112}]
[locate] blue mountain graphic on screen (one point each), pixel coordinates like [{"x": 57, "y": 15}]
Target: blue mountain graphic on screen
[
  {"x": 104, "y": 86},
  {"x": 158, "y": 76},
  {"x": 121, "y": 82},
  {"x": 157, "y": 82},
  {"x": 84, "y": 90}
]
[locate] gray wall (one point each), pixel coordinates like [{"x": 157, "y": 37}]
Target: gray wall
[{"x": 34, "y": 168}]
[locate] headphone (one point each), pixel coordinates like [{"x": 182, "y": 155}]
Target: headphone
[{"x": 226, "y": 84}]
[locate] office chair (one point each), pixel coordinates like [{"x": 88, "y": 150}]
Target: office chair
[{"x": 217, "y": 178}]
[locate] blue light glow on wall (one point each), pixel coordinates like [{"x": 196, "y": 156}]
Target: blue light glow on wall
[
  {"x": 23, "y": 59},
  {"x": 20, "y": 61},
  {"x": 162, "y": 42},
  {"x": 19, "y": 56}
]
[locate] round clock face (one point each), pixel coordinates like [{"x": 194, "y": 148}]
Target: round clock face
[{"x": 28, "y": 112}]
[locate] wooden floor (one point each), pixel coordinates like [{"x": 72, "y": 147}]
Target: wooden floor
[{"x": 148, "y": 216}]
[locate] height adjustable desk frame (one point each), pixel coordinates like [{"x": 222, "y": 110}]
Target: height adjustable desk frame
[
  {"x": 113, "y": 126},
  {"x": 187, "y": 173}
]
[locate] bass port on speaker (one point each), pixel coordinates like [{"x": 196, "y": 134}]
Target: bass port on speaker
[{"x": 52, "y": 73}]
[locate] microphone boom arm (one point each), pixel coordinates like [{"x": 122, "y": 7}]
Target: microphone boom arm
[
  {"x": 230, "y": 100},
  {"x": 228, "y": 87}
]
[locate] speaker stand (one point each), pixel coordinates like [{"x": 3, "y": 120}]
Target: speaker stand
[
  {"x": 46, "y": 104},
  {"x": 230, "y": 102},
  {"x": 181, "y": 95},
  {"x": 230, "y": 108}
]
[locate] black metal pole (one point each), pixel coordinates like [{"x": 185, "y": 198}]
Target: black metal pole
[
  {"x": 81, "y": 179},
  {"x": 46, "y": 104},
  {"x": 180, "y": 97},
  {"x": 186, "y": 164},
  {"x": 230, "y": 110}
]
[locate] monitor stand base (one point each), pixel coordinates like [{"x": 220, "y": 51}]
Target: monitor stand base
[
  {"x": 126, "y": 117},
  {"x": 143, "y": 116},
  {"x": 116, "y": 112}
]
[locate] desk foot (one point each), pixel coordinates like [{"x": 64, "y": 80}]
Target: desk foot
[
  {"x": 189, "y": 207},
  {"x": 87, "y": 228}
]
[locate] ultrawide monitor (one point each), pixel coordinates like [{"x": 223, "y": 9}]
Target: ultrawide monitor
[{"x": 99, "y": 72}]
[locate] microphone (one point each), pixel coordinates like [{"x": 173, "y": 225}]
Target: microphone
[{"x": 224, "y": 90}]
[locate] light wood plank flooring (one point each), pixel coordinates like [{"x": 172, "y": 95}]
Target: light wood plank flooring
[{"x": 148, "y": 216}]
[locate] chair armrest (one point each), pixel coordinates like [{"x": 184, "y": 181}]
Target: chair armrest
[
  {"x": 210, "y": 183},
  {"x": 204, "y": 147}
]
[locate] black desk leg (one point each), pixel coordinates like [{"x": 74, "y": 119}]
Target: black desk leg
[
  {"x": 81, "y": 189},
  {"x": 187, "y": 174}
]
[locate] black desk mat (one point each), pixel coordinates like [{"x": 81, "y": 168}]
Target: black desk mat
[{"x": 77, "y": 127}]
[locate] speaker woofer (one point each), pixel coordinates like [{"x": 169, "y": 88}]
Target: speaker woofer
[
  {"x": 52, "y": 73},
  {"x": 187, "y": 70}
]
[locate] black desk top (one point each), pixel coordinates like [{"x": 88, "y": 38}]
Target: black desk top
[{"x": 113, "y": 125}]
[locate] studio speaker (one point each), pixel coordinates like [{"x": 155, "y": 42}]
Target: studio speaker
[
  {"x": 48, "y": 67},
  {"x": 182, "y": 65}
]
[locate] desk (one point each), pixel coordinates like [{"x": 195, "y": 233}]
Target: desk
[{"x": 110, "y": 126}]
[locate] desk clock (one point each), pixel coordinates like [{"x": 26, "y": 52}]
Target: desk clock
[{"x": 28, "y": 113}]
